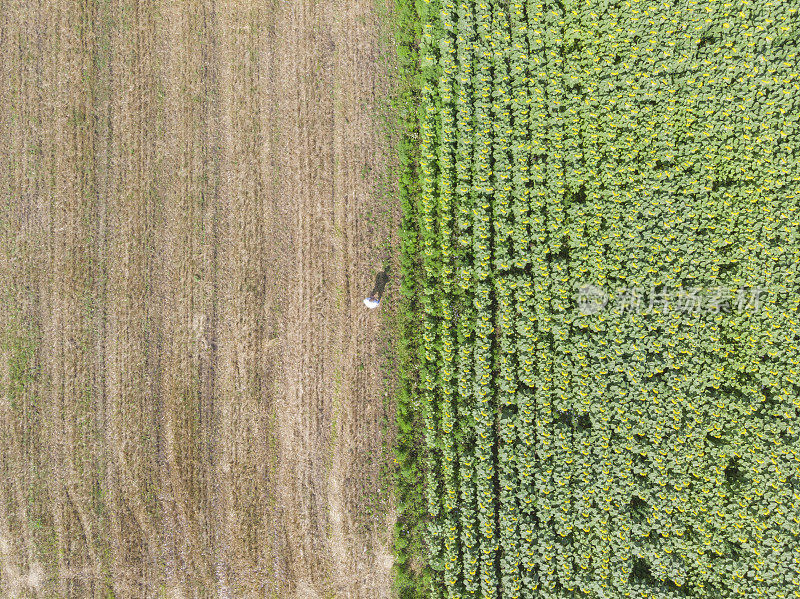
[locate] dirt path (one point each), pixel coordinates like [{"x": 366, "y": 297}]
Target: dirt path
[
  {"x": 332, "y": 401},
  {"x": 192, "y": 393}
]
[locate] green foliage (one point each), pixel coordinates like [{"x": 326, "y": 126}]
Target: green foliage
[
  {"x": 648, "y": 453},
  {"x": 411, "y": 573}
]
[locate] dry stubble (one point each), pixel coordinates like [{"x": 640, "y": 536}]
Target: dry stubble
[{"x": 192, "y": 391}]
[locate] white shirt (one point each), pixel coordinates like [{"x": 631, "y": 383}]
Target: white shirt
[{"x": 371, "y": 303}]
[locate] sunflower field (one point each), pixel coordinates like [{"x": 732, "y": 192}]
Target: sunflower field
[{"x": 601, "y": 276}]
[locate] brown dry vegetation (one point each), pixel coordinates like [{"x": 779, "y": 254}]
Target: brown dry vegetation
[{"x": 194, "y": 202}]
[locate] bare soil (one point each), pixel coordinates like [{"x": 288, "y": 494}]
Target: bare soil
[{"x": 195, "y": 198}]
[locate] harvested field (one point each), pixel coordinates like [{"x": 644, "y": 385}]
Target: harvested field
[{"x": 195, "y": 200}]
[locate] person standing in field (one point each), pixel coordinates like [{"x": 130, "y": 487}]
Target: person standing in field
[{"x": 374, "y": 299}]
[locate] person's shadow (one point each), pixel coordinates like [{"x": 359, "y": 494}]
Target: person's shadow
[{"x": 380, "y": 284}]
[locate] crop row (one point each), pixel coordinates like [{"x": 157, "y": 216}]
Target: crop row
[{"x": 605, "y": 452}]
